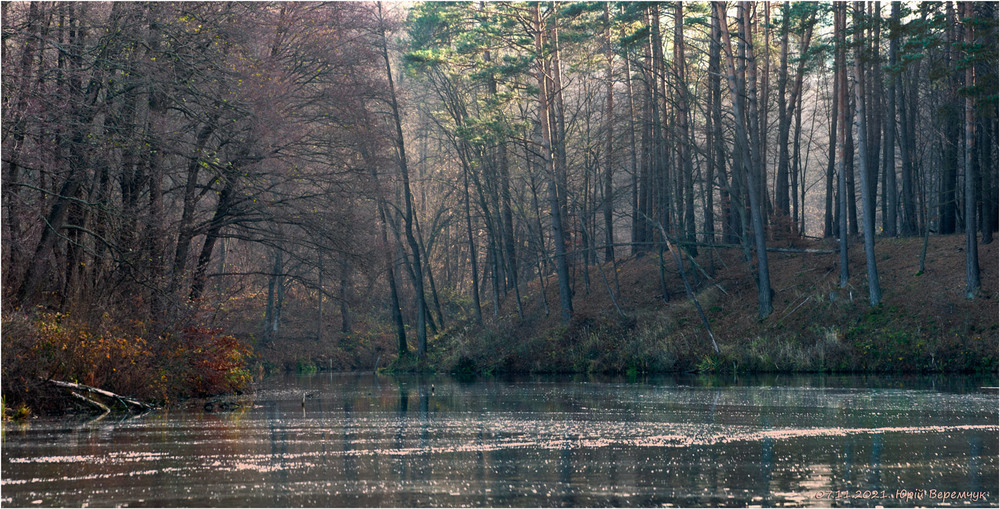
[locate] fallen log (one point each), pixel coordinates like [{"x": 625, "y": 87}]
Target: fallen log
[
  {"x": 91, "y": 401},
  {"x": 714, "y": 245},
  {"x": 127, "y": 402},
  {"x": 770, "y": 249},
  {"x": 687, "y": 284},
  {"x": 800, "y": 250}
]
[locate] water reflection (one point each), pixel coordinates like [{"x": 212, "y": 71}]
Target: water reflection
[{"x": 581, "y": 441}]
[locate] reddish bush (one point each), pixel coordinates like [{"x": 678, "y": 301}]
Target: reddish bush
[
  {"x": 48, "y": 345},
  {"x": 53, "y": 346},
  {"x": 203, "y": 361}
]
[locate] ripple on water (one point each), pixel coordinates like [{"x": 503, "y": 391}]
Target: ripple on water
[{"x": 517, "y": 444}]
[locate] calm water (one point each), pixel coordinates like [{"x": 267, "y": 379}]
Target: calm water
[{"x": 367, "y": 441}]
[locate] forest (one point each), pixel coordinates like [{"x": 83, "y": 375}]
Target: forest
[{"x": 195, "y": 193}]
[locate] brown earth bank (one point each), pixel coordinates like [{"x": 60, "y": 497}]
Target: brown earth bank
[{"x": 924, "y": 323}]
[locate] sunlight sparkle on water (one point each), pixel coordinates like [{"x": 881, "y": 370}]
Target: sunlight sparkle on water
[{"x": 363, "y": 441}]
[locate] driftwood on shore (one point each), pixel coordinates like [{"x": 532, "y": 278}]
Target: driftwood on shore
[
  {"x": 129, "y": 404},
  {"x": 91, "y": 401}
]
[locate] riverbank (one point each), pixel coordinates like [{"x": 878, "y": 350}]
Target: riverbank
[
  {"x": 924, "y": 324},
  {"x": 54, "y": 363}
]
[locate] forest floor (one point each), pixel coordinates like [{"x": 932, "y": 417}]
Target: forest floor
[{"x": 924, "y": 324}]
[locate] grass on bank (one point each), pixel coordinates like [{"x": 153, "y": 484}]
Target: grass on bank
[{"x": 924, "y": 324}]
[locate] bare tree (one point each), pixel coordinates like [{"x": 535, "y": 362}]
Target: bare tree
[
  {"x": 748, "y": 150},
  {"x": 867, "y": 195}
]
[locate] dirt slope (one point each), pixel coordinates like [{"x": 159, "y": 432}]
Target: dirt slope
[{"x": 924, "y": 323}]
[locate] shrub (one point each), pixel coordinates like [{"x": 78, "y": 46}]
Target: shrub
[
  {"x": 118, "y": 358},
  {"x": 52, "y": 345},
  {"x": 201, "y": 362}
]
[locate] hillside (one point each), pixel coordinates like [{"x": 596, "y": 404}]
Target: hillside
[{"x": 924, "y": 324}]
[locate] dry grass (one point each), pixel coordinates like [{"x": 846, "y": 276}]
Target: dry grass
[{"x": 925, "y": 323}]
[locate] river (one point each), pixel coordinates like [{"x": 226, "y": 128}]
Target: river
[{"x": 362, "y": 440}]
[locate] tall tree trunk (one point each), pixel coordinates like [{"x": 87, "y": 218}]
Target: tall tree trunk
[
  {"x": 436, "y": 308},
  {"x": 186, "y": 233},
  {"x": 873, "y": 101},
  {"x": 781, "y": 202},
  {"x": 154, "y": 230},
  {"x": 646, "y": 121},
  {"x": 919, "y": 187},
  {"x": 657, "y": 205},
  {"x": 493, "y": 262},
  {"x": 730, "y": 222},
  {"x": 798, "y": 176},
  {"x": 558, "y": 118},
  {"x": 418, "y": 275},
  {"x": 839, "y": 28},
  {"x": 757, "y": 177},
  {"x": 664, "y": 198},
  {"x": 852, "y": 199},
  {"x": 987, "y": 169},
  {"x": 541, "y": 255},
  {"x": 748, "y": 148},
  {"x": 562, "y": 272},
  {"x": 510, "y": 246},
  {"x": 219, "y": 218},
  {"x": 685, "y": 167},
  {"x": 830, "y": 225},
  {"x": 867, "y": 196},
  {"x": 633, "y": 153},
  {"x": 473, "y": 257},
  {"x": 275, "y": 283},
  {"x": 971, "y": 247},
  {"x": 319, "y": 294},
  {"x": 950, "y": 135},
  {"x": 763, "y": 98},
  {"x": 905, "y": 145},
  {"x": 402, "y": 349},
  {"x": 609, "y": 112},
  {"x": 154, "y": 246},
  {"x": 987, "y": 146},
  {"x": 710, "y": 141},
  {"x": 346, "y": 326},
  {"x": 890, "y": 218}
]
